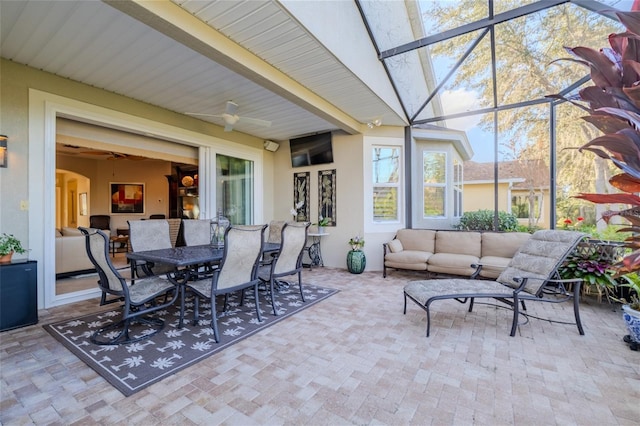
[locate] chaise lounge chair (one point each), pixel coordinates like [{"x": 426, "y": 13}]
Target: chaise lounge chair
[{"x": 530, "y": 276}]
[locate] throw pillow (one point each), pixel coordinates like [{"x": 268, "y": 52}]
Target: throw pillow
[{"x": 395, "y": 246}]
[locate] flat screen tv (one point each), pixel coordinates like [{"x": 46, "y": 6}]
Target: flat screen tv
[{"x": 311, "y": 150}]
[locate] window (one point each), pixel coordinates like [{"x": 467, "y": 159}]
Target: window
[
  {"x": 386, "y": 184},
  {"x": 234, "y": 189},
  {"x": 527, "y": 206},
  {"x": 457, "y": 188},
  {"x": 434, "y": 172}
]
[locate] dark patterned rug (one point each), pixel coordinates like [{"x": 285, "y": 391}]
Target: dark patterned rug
[{"x": 133, "y": 367}]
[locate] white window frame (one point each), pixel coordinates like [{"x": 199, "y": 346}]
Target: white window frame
[
  {"x": 445, "y": 212},
  {"x": 370, "y": 225}
]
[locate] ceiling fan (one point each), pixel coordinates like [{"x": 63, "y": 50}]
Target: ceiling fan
[
  {"x": 114, "y": 155},
  {"x": 230, "y": 117}
]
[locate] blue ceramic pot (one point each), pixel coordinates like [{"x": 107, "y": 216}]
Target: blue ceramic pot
[{"x": 356, "y": 261}]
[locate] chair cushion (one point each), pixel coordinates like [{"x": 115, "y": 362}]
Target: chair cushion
[
  {"x": 395, "y": 246},
  {"x": 539, "y": 258}
]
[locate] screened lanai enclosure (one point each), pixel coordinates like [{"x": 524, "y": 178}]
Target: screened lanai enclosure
[{"x": 485, "y": 69}]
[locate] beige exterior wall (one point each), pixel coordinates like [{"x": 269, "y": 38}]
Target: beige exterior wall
[{"x": 481, "y": 197}]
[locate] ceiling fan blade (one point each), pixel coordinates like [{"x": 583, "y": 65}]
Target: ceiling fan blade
[
  {"x": 199, "y": 114},
  {"x": 232, "y": 107},
  {"x": 95, "y": 153},
  {"x": 255, "y": 121},
  {"x": 228, "y": 127}
]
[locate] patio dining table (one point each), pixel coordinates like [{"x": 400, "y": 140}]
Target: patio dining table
[{"x": 185, "y": 261}]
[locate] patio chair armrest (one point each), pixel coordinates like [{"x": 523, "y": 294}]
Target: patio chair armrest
[{"x": 475, "y": 273}]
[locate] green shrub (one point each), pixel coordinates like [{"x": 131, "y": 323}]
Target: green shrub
[{"x": 482, "y": 220}]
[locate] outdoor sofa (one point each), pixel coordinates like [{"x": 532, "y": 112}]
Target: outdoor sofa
[{"x": 452, "y": 252}]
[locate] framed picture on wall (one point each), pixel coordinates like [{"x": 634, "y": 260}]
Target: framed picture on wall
[
  {"x": 327, "y": 195},
  {"x": 83, "y": 204},
  {"x": 127, "y": 198},
  {"x": 301, "y": 195}
]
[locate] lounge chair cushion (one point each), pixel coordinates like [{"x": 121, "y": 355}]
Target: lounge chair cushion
[
  {"x": 422, "y": 291},
  {"x": 538, "y": 258}
]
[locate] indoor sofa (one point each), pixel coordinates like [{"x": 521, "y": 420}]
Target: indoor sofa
[
  {"x": 452, "y": 252},
  {"x": 71, "y": 252}
]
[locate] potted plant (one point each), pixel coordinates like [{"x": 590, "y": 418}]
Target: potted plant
[
  {"x": 322, "y": 222},
  {"x": 595, "y": 271},
  {"x": 356, "y": 260},
  {"x": 9, "y": 245},
  {"x": 631, "y": 310},
  {"x": 612, "y": 106}
]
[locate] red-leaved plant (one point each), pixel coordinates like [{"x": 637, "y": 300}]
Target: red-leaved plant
[{"x": 614, "y": 108}]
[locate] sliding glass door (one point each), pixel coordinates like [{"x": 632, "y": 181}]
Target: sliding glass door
[{"x": 234, "y": 189}]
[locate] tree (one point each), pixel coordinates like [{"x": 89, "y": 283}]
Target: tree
[{"x": 525, "y": 50}]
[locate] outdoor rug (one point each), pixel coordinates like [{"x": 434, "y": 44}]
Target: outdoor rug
[{"x": 132, "y": 367}]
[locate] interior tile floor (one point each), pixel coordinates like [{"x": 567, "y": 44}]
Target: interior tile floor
[{"x": 352, "y": 359}]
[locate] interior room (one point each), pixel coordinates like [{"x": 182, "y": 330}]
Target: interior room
[{"x": 385, "y": 126}]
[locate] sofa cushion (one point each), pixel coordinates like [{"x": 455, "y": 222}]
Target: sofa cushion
[
  {"x": 417, "y": 239},
  {"x": 395, "y": 246},
  {"x": 459, "y": 242},
  {"x": 492, "y": 266},
  {"x": 58, "y": 233},
  {"x": 450, "y": 263},
  {"x": 502, "y": 244},
  {"x": 407, "y": 259},
  {"x": 66, "y": 231}
]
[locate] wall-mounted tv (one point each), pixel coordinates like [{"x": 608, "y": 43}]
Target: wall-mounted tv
[{"x": 310, "y": 150}]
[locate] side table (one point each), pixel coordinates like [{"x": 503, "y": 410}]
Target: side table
[
  {"x": 314, "y": 249},
  {"x": 123, "y": 242}
]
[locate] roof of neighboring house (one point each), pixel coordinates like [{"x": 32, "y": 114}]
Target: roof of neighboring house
[{"x": 523, "y": 174}]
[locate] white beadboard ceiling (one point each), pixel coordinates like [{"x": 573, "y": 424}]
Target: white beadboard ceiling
[{"x": 158, "y": 53}]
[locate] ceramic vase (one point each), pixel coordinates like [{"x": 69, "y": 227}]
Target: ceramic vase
[
  {"x": 356, "y": 261},
  {"x": 632, "y": 319}
]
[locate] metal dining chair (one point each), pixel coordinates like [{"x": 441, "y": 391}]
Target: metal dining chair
[
  {"x": 138, "y": 301},
  {"x": 288, "y": 260},
  {"x": 237, "y": 271},
  {"x": 196, "y": 231},
  {"x": 149, "y": 235}
]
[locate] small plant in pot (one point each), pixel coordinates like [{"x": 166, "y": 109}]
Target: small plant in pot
[{"x": 9, "y": 245}]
